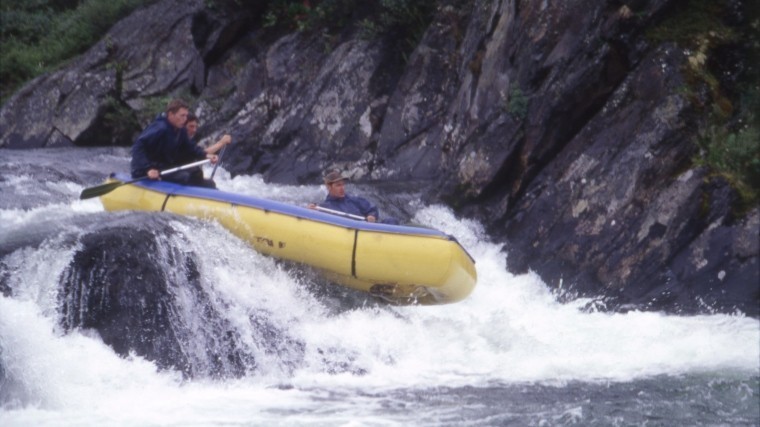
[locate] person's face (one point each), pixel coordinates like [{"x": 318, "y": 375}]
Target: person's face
[
  {"x": 178, "y": 118},
  {"x": 337, "y": 189},
  {"x": 192, "y": 128}
]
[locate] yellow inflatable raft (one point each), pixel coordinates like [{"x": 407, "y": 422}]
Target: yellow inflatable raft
[{"x": 401, "y": 264}]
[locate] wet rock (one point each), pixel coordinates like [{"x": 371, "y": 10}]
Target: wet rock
[{"x": 144, "y": 297}]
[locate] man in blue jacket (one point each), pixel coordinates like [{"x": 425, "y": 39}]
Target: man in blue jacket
[
  {"x": 165, "y": 144},
  {"x": 338, "y": 200}
]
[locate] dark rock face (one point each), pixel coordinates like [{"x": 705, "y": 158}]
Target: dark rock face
[
  {"x": 561, "y": 126},
  {"x": 144, "y": 297}
]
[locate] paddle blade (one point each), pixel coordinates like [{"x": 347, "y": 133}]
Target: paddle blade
[{"x": 100, "y": 190}]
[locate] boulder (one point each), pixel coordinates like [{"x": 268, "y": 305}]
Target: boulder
[{"x": 144, "y": 297}]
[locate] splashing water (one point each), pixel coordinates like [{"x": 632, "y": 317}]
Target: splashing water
[{"x": 509, "y": 352}]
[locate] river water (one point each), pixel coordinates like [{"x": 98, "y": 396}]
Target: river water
[{"x": 510, "y": 354}]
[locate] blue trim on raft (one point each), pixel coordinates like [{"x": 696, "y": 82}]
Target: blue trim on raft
[{"x": 278, "y": 207}]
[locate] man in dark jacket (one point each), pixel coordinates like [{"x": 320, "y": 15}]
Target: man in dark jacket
[
  {"x": 164, "y": 144},
  {"x": 338, "y": 200}
]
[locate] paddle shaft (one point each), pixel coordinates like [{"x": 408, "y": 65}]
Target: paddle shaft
[
  {"x": 172, "y": 170},
  {"x": 334, "y": 212},
  {"x": 178, "y": 168},
  {"x": 219, "y": 160},
  {"x": 102, "y": 189}
]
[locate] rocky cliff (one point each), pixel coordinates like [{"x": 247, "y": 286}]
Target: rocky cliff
[{"x": 568, "y": 128}]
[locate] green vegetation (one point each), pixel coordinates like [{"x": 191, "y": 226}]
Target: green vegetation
[
  {"x": 330, "y": 15},
  {"x": 119, "y": 122},
  {"x": 735, "y": 155},
  {"x": 692, "y": 23},
  {"x": 730, "y": 141},
  {"x": 37, "y": 36},
  {"x": 517, "y": 104},
  {"x": 406, "y": 19}
]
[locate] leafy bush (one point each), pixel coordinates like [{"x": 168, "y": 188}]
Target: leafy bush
[{"x": 36, "y": 36}]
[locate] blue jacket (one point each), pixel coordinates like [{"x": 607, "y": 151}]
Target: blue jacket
[
  {"x": 352, "y": 205},
  {"x": 161, "y": 146}
]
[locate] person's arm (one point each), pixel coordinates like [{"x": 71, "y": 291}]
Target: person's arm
[
  {"x": 372, "y": 214},
  {"x": 327, "y": 203},
  {"x": 142, "y": 164},
  {"x": 187, "y": 146},
  {"x": 224, "y": 140},
  {"x": 368, "y": 210}
]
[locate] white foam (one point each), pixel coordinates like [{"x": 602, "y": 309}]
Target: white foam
[{"x": 510, "y": 330}]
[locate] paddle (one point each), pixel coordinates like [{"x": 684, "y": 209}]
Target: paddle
[
  {"x": 102, "y": 189},
  {"x": 219, "y": 160},
  {"x": 334, "y": 212}
]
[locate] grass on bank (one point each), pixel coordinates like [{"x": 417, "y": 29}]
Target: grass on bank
[{"x": 37, "y": 36}]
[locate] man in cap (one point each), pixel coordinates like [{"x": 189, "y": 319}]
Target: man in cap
[{"x": 338, "y": 200}]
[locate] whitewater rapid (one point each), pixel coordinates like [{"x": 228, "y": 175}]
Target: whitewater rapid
[{"x": 511, "y": 331}]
